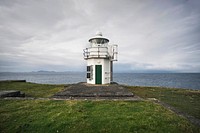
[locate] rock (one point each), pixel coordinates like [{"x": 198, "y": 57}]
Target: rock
[
  {"x": 11, "y": 93},
  {"x": 12, "y": 80}
]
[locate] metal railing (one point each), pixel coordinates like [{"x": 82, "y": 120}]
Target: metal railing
[
  {"x": 96, "y": 52},
  {"x": 109, "y": 52}
]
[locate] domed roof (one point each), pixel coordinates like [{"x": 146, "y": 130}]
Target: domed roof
[{"x": 99, "y": 35}]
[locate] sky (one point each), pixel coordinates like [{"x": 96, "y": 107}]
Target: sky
[{"x": 152, "y": 35}]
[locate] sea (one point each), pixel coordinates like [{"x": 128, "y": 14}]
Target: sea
[{"x": 172, "y": 80}]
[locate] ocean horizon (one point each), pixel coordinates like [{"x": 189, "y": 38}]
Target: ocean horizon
[{"x": 172, "y": 80}]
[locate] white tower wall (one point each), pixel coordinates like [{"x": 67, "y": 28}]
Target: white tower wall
[{"x": 105, "y": 63}]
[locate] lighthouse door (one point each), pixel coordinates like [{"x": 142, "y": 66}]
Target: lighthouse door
[{"x": 98, "y": 74}]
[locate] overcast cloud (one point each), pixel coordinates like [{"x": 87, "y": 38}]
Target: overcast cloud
[{"x": 152, "y": 35}]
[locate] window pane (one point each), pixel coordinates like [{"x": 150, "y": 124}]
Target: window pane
[
  {"x": 88, "y": 75},
  {"x": 88, "y": 68}
]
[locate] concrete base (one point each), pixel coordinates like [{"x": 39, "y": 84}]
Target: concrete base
[
  {"x": 11, "y": 93},
  {"x": 12, "y": 80},
  {"x": 84, "y": 90}
]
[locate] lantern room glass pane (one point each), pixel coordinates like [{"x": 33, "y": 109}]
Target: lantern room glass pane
[{"x": 99, "y": 41}]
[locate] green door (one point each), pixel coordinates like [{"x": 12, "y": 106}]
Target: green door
[{"x": 98, "y": 73}]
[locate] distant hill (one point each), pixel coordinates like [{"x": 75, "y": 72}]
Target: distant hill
[{"x": 44, "y": 71}]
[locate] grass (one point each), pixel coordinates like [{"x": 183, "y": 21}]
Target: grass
[
  {"x": 184, "y": 100},
  {"x": 89, "y": 116},
  {"x": 32, "y": 89},
  {"x": 96, "y": 116}
]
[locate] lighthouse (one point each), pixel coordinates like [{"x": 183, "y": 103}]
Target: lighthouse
[{"x": 100, "y": 56}]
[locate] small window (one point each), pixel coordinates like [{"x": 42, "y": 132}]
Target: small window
[
  {"x": 88, "y": 68},
  {"x": 88, "y": 75}
]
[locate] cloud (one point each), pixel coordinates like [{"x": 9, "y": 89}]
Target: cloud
[{"x": 152, "y": 35}]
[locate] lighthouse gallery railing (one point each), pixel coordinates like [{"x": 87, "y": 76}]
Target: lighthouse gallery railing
[{"x": 96, "y": 52}]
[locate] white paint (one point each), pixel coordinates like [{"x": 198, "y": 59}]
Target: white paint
[
  {"x": 100, "y": 53},
  {"x": 105, "y": 70}
]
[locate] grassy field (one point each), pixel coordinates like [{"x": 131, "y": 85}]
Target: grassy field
[
  {"x": 32, "y": 89},
  {"x": 184, "y": 100},
  {"x": 92, "y": 116},
  {"x": 89, "y": 116}
]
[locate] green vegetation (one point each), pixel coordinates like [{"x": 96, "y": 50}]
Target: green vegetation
[
  {"x": 89, "y": 116},
  {"x": 96, "y": 116},
  {"x": 184, "y": 100},
  {"x": 32, "y": 89}
]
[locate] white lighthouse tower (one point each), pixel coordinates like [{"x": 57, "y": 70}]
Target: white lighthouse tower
[{"x": 100, "y": 56}]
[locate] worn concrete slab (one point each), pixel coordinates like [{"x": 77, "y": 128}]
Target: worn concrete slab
[
  {"x": 11, "y": 93},
  {"x": 12, "y": 80},
  {"x": 84, "y": 90}
]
